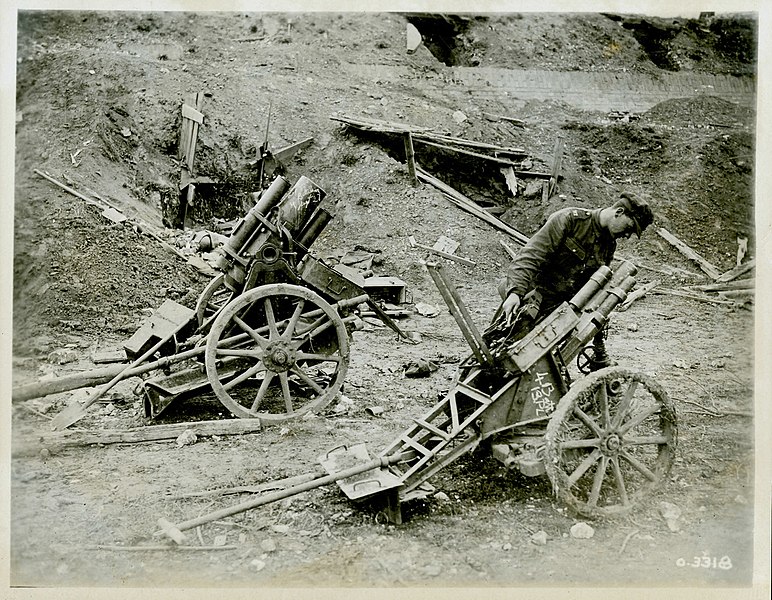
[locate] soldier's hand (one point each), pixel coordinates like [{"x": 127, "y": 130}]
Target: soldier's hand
[{"x": 510, "y": 306}]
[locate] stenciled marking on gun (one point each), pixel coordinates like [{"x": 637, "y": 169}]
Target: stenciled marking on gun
[{"x": 541, "y": 394}]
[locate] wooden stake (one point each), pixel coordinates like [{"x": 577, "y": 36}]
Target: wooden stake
[
  {"x": 410, "y": 156},
  {"x": 556, "y": 164}
]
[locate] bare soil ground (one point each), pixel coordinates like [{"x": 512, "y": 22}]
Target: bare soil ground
[{"x": 98, "y": 99}]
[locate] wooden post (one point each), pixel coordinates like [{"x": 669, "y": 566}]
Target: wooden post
[
  {"x": 556, "y": 164},
  {"x": 410, "y": 156}
]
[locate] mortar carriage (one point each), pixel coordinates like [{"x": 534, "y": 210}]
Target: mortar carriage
[
  {"x": 606, "y": 440},
  {"x": 269, "y": 335}
]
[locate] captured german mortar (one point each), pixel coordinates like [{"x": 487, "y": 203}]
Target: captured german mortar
[
  {"x": 269, "y": 334},
  {"x": 277, "y": 320},
  {"x": 606, "y": 441}
]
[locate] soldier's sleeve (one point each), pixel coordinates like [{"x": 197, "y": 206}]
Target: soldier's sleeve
[{"x": 523, "y": 269}]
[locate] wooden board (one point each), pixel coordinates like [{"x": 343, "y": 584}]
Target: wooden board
[{"x": 706, "y": 266}]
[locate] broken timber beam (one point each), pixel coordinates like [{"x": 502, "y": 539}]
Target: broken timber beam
[
  {"x": 287, "y": 152},
  {"x": 695, "y": 296},
  {"x": 637, "y": 294},
  {"x": 706, "y": 266},
  {"x": 53, "y": 442},
  {"x": 733, "y": 274},
  {"x": 470, "y": 206},
  {"x": 423, "y": 133},
  {"x": 500, "y": 161},
  {"x": 739, "y": 284}
]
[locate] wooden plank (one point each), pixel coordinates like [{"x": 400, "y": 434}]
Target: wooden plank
[
  {"x": 287, "y": 152},
  {"x": 188, "y": 112},
  {"x": 739, "y": 284},
  {"x": 637, "y": 294},
  {"x": 494, "y": 159},
  {"x": 470, "y": 206},
  {"x": 684, "y": 249},
  {"x": 194, "y": 133},
  {"x": 693, "y": 296},
  {"x": 31, "y": 445},
  {"x": 733, "y": 274},
  {"x": 511, "y": 251},
  {"x": 380, "y": 126},
  {"x": 453, "y": 257}
]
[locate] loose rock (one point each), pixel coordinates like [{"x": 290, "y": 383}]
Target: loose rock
[
  {"x": 582, "y": 531},
  {"x": 540, "y": 538}
]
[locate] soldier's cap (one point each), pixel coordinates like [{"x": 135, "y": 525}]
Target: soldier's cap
[{"x": 639, "y": 211}]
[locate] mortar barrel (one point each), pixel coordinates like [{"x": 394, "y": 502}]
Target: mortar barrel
[
  {"x": 247, "y": 226},
  {"x": 299, "y": 204},
  {"x": 589, "y": 289},
  {"x": 626, "y": 269},
  {"x": 271, "y": 196},
  {"x": 314, "y": 227},
  {"x": 616, "y": 295}
]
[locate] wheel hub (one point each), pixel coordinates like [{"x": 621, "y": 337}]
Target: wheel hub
[
  {"x": 612, "y": 444},
  {"x": 279, "y": 357}
]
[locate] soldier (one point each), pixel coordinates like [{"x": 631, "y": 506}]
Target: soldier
[{"x": 562, "y": 256}]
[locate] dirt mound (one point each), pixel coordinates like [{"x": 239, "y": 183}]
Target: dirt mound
[{"x": 700, "y": 111}]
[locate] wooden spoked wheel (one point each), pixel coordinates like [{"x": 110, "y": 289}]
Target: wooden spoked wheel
[
  {"x": 212, "y": 300},
  {"x": 610, "y": 442},
  {"x": 277, "y": 352}
]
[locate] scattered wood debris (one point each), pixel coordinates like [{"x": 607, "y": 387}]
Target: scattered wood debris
[
  {"x": 425, "y": 135},
  {"x": 695, "y": 296},
  {"x": 470, "y": 206},
  {"x": 733, "y": 274},
  {"x": 689, "y": 253},
  {"x": 445, "y": 252},
  {"x": 637, "y": 294}
]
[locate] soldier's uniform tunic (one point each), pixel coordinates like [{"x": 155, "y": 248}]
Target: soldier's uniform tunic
[{"x": 560, "y": 257}]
